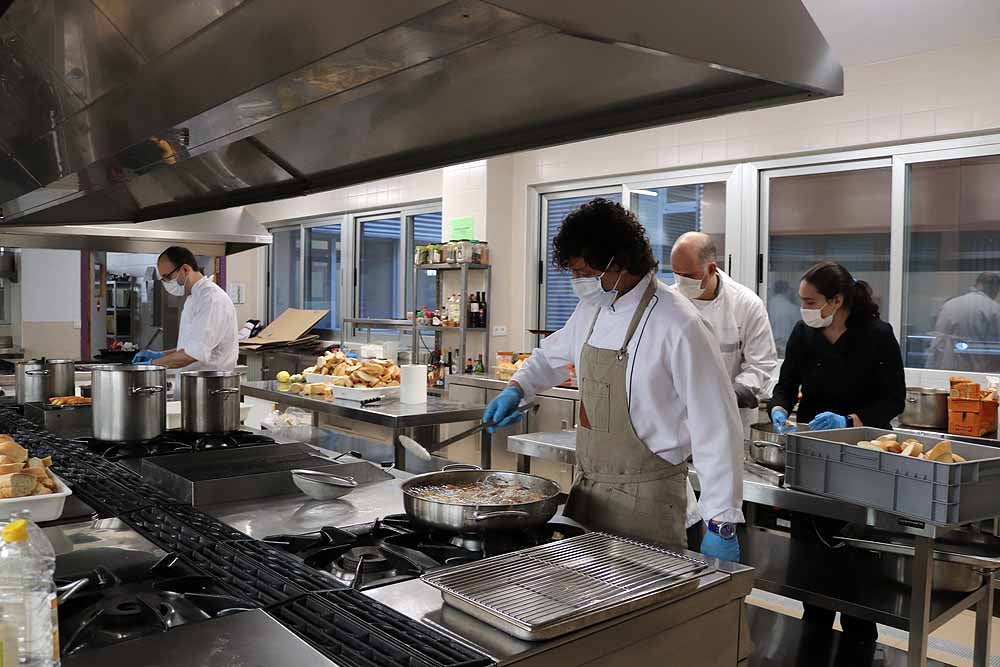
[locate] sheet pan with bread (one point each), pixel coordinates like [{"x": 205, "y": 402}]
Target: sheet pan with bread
[
  {"x": 27, "y": 483},
  {"x": 335, "y": 375}
]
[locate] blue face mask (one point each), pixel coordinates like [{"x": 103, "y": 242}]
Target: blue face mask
[{"x": 590, "y": 290}]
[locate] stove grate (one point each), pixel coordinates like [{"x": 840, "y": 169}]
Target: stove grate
[
  {"x": 204, "y": 523},
  {"x": 167, "y": 531},
  {"x": 291, "y": 568},
  {"x": 242, "y": 577},
  {"x": 433, "y": 647},
  {"x": 340, "y": 636}
]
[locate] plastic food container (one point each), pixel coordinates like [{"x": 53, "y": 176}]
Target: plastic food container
[
  {"x": 43, "y": 508},
  {"x": 830, "y": 464}
]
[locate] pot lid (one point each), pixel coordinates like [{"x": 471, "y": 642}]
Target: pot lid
[{"x": 927, "y": 391}]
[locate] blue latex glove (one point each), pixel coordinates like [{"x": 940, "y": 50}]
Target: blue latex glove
[
  {"x": 717, "y": 547},
  {"x": 503, "y": 409},
  {"x": 824, "y": 421},
  {"x": 146, "y": 356},
  {"x": 779, "y": 416}
]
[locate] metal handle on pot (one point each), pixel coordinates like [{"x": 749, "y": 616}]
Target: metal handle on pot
[
  {"x": 225, "y": 390},
  {"x": 764, "y": 444},
  {"x": 147, "y": 390},
  {"x": 460, "y": 466},
  {"x": 483, "y": 516},
  {"x": 911, "y": 400},
  {"x": 36, "y": 372}
]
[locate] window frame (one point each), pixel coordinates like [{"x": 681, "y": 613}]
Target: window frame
[
  {"x": 343, "y": 292},
  {"x": 299, "y": 296}
]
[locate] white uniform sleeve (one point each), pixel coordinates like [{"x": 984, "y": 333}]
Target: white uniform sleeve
[
  {"x": 760, "y": 358},
  {"x": 549, "y": 363},
  {"x": 713, "y": 420},
  {"x": 207, "y": 330}
]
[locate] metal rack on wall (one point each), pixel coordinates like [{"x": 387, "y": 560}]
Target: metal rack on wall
[
  {"x": 122, "y": 309},
  {"x": 463, "y": 329}
]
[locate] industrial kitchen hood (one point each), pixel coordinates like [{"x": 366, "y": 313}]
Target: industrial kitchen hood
[{"x": 134, "y": 110}]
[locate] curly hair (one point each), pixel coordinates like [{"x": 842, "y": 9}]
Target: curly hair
[{"x": 601, "y": 231}]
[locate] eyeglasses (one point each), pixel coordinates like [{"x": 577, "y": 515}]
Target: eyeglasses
[{"x": 165, "y": 278}]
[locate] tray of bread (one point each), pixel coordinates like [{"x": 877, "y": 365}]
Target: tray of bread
[
  {"x": 27, "y": 483},
  {"x": 350, "y": 378}
]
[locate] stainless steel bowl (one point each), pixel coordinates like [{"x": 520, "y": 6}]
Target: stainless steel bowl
[{"x": 322, "y": 485}]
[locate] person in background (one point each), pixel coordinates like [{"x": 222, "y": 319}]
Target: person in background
[
  {"x": 208, "y": 333},
  {"x": 969, "y": 321},
  {"x": 653, "y": 387},
  {"x": 741, "y": 328},
  {"x": 847, "y": 364},
  {"x": 736, "y": 314},
  {"x": 783, "y": 312}
]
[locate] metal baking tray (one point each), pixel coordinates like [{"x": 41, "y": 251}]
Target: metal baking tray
[{"x": 557, "y": 588}]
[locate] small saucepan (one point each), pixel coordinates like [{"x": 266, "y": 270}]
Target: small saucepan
[{"x": 767, "y": 444}]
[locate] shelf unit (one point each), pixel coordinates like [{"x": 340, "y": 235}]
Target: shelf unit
[
  {"x": 462, "y": 330},
  {"x": 118, "y": 314}
]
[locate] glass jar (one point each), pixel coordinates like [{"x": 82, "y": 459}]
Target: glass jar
[
  {"x": 463, "y": 252},
  {"x": 420, "y": 255}
]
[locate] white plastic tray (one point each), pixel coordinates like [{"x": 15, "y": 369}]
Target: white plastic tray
[
  {"x": 43, "y": 508},
  {"x": 351, "y": 393}
]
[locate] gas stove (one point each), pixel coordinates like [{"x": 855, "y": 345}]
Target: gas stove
[
  {"x": 174, "y": 442},
  {"x": 395, "y": 548}
]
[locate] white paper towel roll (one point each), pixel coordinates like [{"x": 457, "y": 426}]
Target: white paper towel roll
[{"x": 413, "y": 383}]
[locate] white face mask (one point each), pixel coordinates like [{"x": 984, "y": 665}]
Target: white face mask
[
  {"x": 689, "y": 287},
  {"x": 813, "y": 317},
  {"x": 174, "y": 287},
  {"x": 591, "y": 290}
]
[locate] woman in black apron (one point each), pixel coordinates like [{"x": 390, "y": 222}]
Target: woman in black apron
[{"x": 847, "y": 364}]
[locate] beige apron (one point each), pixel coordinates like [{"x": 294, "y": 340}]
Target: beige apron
[{"x": 621, "y": 487}]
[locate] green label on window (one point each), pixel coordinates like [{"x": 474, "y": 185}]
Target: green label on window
[{"x": 462, "y": 228}]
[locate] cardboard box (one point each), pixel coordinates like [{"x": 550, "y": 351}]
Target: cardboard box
[{"x": 975, "y": 424}]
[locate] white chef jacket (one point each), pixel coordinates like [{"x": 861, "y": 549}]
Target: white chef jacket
[
  {"x": 681, "y": 400},
  {"x": 208, "y": 328},
  {"x": 743, "y": 331},
  {"x": 741, "y": 325},
  {"x": 970, "y": 318}
]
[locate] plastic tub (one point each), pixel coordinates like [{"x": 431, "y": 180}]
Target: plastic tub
[
  {"x": 830, "y": 464},
  {"x": 43, "y": 508}
]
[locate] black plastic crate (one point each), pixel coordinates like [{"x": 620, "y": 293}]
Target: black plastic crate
[
  {"x": 340, "y": 636},
  {"x": 433, "y": 647}
]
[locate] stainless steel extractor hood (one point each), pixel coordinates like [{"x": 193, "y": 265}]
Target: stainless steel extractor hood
[{"x": 134, "y": 110}]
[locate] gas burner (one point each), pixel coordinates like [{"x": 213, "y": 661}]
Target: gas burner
[
  {"x": 173, "y": 442},
  {"x": 364, "y": 561},
  {"x": 101, "y": 608}
]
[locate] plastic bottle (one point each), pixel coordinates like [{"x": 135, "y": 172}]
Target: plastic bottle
[{"x": 28, "y": 636}]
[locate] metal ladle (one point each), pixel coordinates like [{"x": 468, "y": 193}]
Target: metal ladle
[{"x": 424, "y": 453}]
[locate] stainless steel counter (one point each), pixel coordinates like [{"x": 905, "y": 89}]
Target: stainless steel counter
[
  {"x": 389, "y": 413},
  {"x": 630, "y": 639},
  {"x": 487, "y": 382},
  {"x": 300, "y": 514}
]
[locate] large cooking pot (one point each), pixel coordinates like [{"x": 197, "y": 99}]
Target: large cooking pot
[
  {"x": 767, "y": 444},
  {"x": 925, "y": 407},
  {"x": 480, "y": 517},
  {"x": 38, "y": 380},
  {"x": 210, "y": 401},
  {"x": 130, "y": 402}
]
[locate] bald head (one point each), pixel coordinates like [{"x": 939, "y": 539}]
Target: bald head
[{"x": 693, "y": 257}]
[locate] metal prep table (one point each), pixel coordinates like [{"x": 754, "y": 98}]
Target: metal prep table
[
  {"x": 400, "y": 418},
  {"x": 798, "y": 570}
]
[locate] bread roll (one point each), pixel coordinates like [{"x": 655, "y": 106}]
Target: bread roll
[
  {"x": 940, "y": 452},
  {"x": 7, "y": 468},
  {"x": 16, "y": 485},
  {"x": 13, "y": 450}
]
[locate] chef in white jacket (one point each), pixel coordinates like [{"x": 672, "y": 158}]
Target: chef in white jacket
[
  {"x": 737, "y": 316},
  {"x": 208, "y": 337},
  {"x": 653, "y": 388}
]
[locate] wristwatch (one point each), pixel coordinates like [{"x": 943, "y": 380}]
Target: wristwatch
[{"x": 724, "y": 529}]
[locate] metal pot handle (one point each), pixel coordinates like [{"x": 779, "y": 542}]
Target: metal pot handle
[
  {"x": 147, "y": 390},
  {"x": 460, "y": 466},
  {"x": 911, "y": 400},
  {"x": 36, "y": 372},
  {"x": 763, "y": 444},
  {"x": 225, "y": 390},
  {"x": 483, "y": 516}
]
